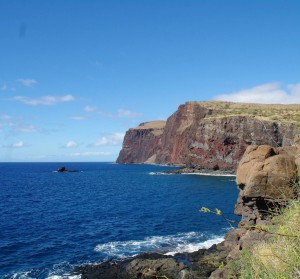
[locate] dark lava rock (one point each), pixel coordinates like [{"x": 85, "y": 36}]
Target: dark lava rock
[{"x": 196, "y": 265}]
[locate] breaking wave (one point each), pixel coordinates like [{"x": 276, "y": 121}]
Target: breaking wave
[{"x": 169, "y": 244}]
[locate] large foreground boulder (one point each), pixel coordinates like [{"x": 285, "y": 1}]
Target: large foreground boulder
[{"x": 267, "y": 172}]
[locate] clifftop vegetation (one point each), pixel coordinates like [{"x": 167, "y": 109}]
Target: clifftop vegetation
[
  {"x": 279, "y": 256},
  {"x": 271, "y": 112}
]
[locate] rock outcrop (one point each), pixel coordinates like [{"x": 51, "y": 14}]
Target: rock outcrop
[
  {"x": 212, "y": 135},
  {"x": 196, "y": 265},
  {"x": 267, "y": 179}
]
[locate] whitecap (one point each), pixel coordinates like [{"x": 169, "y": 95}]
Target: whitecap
[
  {"x": 169, "y": 245},
  {"x": 64, "y": 277},
  {"x": 210, "y": 174},
  {"x": 160, "y": 173},
  {"x": 192, "y": 247}
]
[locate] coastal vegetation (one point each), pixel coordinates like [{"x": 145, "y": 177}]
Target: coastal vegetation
[
  {"x": 278, "y": 256},
  {"x": 270, "y": 112}
]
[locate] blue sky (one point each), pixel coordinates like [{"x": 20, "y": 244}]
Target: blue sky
[{"x": 75, "y": 75}]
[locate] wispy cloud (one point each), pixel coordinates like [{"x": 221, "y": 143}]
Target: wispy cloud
[
  {"x": 95, "y": 110},
  {"x": 127, "y": 113},
  {"x": 25, "y": 129},
  {"x": 269, "y": 93},
  {"x": 45, "y": 100},
  {"x": 89, "y": 109},
  {"x": 71, "y": 144},
  {"x": 27, "y": 82},
  {"x": 120, "y": 113},
  {"x": 78, "y": 117},
  {"x": 85, "y": 154},
  {"x": 7, "y": 124},
  {"x": 19, "y": 144},
  {"x": 110, "y": 140},
  {"x": 5, "y": 116},
  {"x": 5, "y": 87}
]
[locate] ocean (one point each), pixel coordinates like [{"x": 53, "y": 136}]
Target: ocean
[{"x": 51, "y": 222}]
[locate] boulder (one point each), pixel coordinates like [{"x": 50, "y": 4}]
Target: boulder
[{"x": 267, "y": 173}]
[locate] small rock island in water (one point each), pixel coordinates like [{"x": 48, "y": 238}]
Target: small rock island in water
[{"x": 63, "y": 169}]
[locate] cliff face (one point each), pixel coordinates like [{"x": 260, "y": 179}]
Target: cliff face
[
  {"x": 140, "y": 144},
  {"x": 210, "y": 135}
]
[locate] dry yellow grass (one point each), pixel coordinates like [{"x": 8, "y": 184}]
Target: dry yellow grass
[
  {"x": 151, "y": 125},
  {"x": 279, "y": 257},
  {"x": 271, "y": 112}
]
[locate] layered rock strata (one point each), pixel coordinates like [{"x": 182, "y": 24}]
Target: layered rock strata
[
  {"x": 209, "y": 135},
  {"x": 141, "y": 144}
]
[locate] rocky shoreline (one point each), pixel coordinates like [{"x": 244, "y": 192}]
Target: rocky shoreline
[
  {"x": 266, "y": 177},
  {"x": 201, "y": 171},
  {"x": 199, "y": 264}
]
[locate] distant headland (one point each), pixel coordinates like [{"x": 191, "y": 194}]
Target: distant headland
[{"x": 210, "y": 135}]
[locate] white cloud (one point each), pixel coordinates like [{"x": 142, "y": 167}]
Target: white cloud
[
  {"x": 84, "y": 154},
  {"x": 45, "y": 100},
  {"x": 4, "y": 87},
  {"x": 78, "y": 117},
  {"x": 127, "y": 113},
  {"x": 90, "y": 109},
  {"x": 269, "y": 93},
  {"x": 7, "y": 124},
  {"x": 95, "y": 110},
  {"x": 5, "y": 116},
  {"x": 111, "y": 139},
  {"x": 27, "y": 82},
  {"x": 18, "y": 144},
  {"x": 71, "y": 144},
  {"x": 25, "y": 129}
]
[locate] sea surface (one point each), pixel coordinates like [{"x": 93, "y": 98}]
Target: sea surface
[{"x": 51, "y": 222}]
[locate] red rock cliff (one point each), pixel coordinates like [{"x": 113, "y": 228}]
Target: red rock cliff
[
  {"x": 141, "y": 144},
  {"x": 211, "y": 135}
]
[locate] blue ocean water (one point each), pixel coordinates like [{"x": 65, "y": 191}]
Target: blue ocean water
[{"x": 51, "y": 222}]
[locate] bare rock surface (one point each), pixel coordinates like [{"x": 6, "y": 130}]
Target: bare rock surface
[{"x": 196, "y": 265}]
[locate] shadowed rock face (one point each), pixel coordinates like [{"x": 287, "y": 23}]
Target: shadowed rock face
[{"x": 202, "y": 137}]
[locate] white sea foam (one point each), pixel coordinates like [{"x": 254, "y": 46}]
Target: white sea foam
[
  {"x": 210, "y": 174},
  {"x": 169, "y": 244},
  {"x": 22, "y": 275},
  {"x": 192, "y": 247},
  {"x": 195, "y": 173},
  {"x": 160, "y": 173},
  {"x": 64, "y": 277},
  {"x": 58, "y": 271}
]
